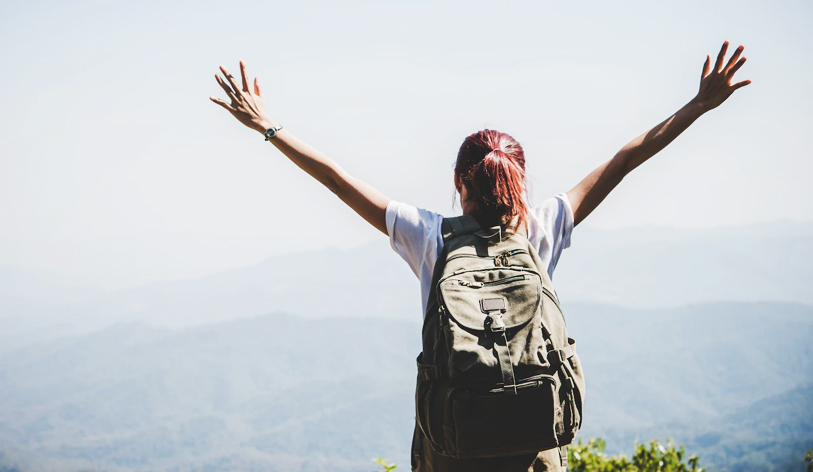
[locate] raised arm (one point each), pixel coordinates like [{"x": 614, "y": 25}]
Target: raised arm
[
  {"x": 248, "y": 107},
  {"x": 715, "y": 87}
]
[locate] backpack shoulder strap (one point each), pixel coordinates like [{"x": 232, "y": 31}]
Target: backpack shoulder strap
[
  {"x": 466, "y": 224},
  {"x": 458, "y": 226},
  {"x": 450, "y": 228}
]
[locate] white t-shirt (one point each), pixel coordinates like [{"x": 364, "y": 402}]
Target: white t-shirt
[{"x": 416, "y": 236}]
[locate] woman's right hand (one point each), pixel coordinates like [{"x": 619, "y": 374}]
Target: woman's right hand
[
  {"x": 246, "y": 106},
  {"x": 249, "y": 109}
]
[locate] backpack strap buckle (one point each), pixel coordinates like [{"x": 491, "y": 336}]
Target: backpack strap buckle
[
  {"x": 556, "y": 358},
  {"x": 426, "y": 371},
  {"x": 558, "y": 361},
  {"x": 495, "y": 323},
  {"x": 429, "y": 373}
]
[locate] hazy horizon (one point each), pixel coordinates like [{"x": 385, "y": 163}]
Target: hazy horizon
[
  {"x": 645, "y": 231},
  {"x": 640, "y": 268}
]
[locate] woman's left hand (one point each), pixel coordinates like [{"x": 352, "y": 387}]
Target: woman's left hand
[{"x": 715, "y": 84}]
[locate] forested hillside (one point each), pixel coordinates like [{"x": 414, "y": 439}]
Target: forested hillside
[{"x": 732, "y": 381}]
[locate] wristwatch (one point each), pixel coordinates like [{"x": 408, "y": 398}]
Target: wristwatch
[{"x": 271, "y": 132}]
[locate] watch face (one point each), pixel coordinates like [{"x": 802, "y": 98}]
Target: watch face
[{"x": 270, "y": 133}]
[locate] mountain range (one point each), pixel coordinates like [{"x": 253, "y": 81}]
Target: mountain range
[{"x": 306, "y": 361}]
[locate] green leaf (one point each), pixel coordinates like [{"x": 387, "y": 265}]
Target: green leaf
[{"x": 385, "y": 466}]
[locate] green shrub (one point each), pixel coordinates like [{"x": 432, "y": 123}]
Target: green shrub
[{"x": 590, "y": 457}]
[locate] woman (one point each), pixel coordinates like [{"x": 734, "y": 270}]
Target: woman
[{"x": 490, "y": 178}]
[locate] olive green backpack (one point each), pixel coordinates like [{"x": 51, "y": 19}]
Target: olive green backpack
[{"x": 498, "y": 375}]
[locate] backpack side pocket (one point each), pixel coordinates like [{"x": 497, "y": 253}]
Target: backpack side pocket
[{"x": 427, "y": 391}]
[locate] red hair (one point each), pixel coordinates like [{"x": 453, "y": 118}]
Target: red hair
[{"x": 492, "y": 167}]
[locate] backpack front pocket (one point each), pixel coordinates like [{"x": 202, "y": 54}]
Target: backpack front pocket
[
  {"x": 471, "y": 302},
  {"x": 489, "y": 423}
]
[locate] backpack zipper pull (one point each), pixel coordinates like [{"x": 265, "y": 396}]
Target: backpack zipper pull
[{"x": 470, "y": 284}]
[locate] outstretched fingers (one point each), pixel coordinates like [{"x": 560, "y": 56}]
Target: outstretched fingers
[
  {"x": 706, "y": 67},
  {"x": 243, "y": 75},
  {"x": 716, "y": 83},
  {"x": 245, "y": 105},
  {"x": 223, "y": 104},
  {"x": 719, "y": 64},
  {"x": 257, "y": 87},
  {"x": 733, "y": 60},
  {"x": 226, "y": 88},
  {"x": 740, "y": 84},
  {"x": 230, "y": 78},
  {"x": 735, "y": 68}
]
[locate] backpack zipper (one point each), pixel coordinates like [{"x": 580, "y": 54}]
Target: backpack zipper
[
  {"x": 552, "y": 297},
  {"x": 493, "y": 282},
  {"x": 509, "y": 280},
  {"x": 502, "y": 257},
  {"x": 439, "y": 294}
]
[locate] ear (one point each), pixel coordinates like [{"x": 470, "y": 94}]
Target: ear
[{"x": 458, "y": 183}]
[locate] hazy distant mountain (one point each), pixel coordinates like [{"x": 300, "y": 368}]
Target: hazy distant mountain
[
  {"x": 772, "y": 433},
  {"x": 370, "y": 281},
  {"x": 277, "y": 392},
  {"x": 282, "y": 392},
  {"x": 667, "y": 267},
  {"x": 642, "y": 267},
  {"x": 731, "y": 381}
]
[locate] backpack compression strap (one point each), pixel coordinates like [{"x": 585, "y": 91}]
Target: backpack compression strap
[{"x": 509, "y": 382}]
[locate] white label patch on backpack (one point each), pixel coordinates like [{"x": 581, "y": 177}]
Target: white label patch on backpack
[{"x": 492, "y": 304}]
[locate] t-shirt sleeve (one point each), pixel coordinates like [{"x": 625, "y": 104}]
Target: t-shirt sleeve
[
  {"x": 414, "y": 234},
  {"x": 550, "y": 226}
]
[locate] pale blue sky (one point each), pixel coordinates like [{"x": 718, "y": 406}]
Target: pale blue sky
[{"x": 116, "y": 169}]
